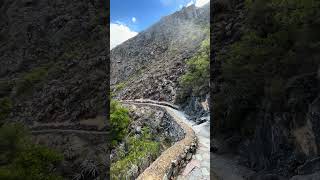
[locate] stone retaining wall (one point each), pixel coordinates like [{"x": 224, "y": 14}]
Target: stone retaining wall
[
  {"x": 171, "y": 161},
  {"x": 181, "y": 161}
]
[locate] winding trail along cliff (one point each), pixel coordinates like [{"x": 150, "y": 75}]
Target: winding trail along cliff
[
  {"x": 161, "y": 166},
  {"x": 223, "y": 167}
]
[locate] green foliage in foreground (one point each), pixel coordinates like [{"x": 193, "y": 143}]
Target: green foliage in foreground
[
  {"x": 119, "y": 121},
  {"x": 282, "y": 41},
  {"x": 140, "y": 149},
  {"x": 20, "y": 159},
  {"x": 197, "y": 76}
]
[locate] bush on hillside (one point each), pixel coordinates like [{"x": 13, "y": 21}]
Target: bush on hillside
[
  {"x": 197, "y": 75},
  {"x": 140, "y": 149},
  {"x": 119, "y": 121},
  {"x": 20, "y": 159},
  {"x": 281, "y": 41}
]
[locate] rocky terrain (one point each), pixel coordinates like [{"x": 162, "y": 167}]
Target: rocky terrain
[
  {"x": 149, "y": 67},
  {"x": 150, "y": 64},
  {"x": 54, "y": 69},
  {"x": 159, "y": 122},
  {"x": 284, "y": 143}
]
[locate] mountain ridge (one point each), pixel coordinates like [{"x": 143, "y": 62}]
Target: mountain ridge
[{"x": 150, "y": 64}]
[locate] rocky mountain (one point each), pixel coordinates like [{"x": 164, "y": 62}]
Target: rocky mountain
[
  {"x": 53, "y": 59},
  {"x": 54, "y": 74},
  {"x": 150, "y": 64},
  {"x": 272, "y": 127}
]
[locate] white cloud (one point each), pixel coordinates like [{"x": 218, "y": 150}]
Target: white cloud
[
  {"x": 119, "y": 33},
  {"x": 200, "y": 3},
  {"x": 134, "y": 19}
]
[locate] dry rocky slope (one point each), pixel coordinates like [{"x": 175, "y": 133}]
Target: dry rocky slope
[
  {"x": 278, "y": 150},
  {"x": 150, "y": 64},
  {"x": 54, "y": 69}
]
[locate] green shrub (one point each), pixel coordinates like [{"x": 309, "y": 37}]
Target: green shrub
[
  {"x": 281, "y": 41},
  {"x": 119, "y": 121},
  {"x": 20, "y": 159},
  {"x": 197, "y": 75},
  {"x": 139, "y": 149}
]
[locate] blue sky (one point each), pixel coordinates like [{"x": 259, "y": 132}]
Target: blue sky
[{"x": 129, "y": 17}]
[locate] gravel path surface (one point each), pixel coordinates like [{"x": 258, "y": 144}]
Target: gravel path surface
[{"x": 200, "y": 162}]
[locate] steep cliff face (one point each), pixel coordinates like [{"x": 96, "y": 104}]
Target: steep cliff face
[
  {"x": 53, "y": 59},
  {"x": 150, "y": 64},
  {"x": 54, "y": 75},
  {"x": 278, "y": 137}
]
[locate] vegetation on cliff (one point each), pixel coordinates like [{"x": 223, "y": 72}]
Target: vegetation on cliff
[
  {"x": 119, "y": 122},
  {"x": 139, "y": 150},
  {"x": 131, "y": 150},
  {"x": 21, "y": 159},
  {"x": 195, "y": 81},
  {"x": 281, "y": 42}
]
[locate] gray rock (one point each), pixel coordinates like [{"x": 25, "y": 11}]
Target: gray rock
[
  {"x": 189, "y": 156},
  {"x": 138, "y": 129}
]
